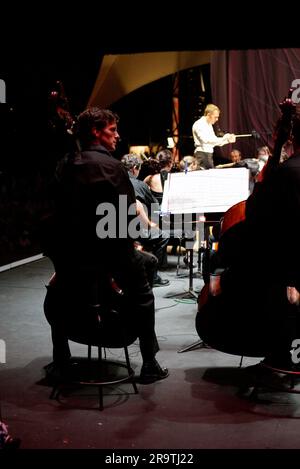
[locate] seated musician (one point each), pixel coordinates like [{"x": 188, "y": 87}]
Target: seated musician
[
  {"x": 153, "y": 239},
  {"x": 235, "y": 160},
  {"x": 263, "y": 154},
  {"x": 156, "y": 182},
  {"x": 238, "y": 162},
  {"x": 83, "y": 255},
  {"x": 188, "y": 163},
  {"x": 259, "y": 288}
]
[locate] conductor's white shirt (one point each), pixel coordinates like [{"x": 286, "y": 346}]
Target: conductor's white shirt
[{"x": 204, "y": 136}]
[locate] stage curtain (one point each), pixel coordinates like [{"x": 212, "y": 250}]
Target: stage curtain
[{"x": 248, "y": 85}]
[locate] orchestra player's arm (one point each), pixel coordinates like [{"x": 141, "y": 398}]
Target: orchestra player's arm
[
  {"x": 226, "y": 165},
  {"x": 141, "y": 212}
]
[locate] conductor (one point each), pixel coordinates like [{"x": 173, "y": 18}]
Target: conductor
[{"x": 205, "y": 138}]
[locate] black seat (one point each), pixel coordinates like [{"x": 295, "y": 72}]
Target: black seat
[{"x": 104, "y": 326}]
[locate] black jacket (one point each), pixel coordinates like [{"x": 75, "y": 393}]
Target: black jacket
[{"x": 84, "y": 181}]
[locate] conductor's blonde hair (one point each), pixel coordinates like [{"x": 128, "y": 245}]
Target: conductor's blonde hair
[{"x": 211, "y": 108}]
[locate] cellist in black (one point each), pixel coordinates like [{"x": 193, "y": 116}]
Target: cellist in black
[{"x": 256, "y": 311}]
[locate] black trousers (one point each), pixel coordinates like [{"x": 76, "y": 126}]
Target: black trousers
[
  {"x": 132, "y": 277},
  {"x": 156, "y": 242},
  {"x": 204, "y": 160},
  {"x": 129, "y": 270}
]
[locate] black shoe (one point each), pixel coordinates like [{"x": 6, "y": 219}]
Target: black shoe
[
  {"x": 152, "y": 371},
  {"x": 57, "y": 372},
  {"x": 159, "y": 282}
]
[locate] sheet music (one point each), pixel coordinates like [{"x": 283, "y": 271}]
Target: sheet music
[{"x": 213, "y": 190}]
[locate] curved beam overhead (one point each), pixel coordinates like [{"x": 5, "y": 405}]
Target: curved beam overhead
[{"x": 122, "y": 74}]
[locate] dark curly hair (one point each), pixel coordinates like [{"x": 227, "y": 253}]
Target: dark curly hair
[
  {"x": 93, "y": 117},
  {"x": 164, "y": 157}
]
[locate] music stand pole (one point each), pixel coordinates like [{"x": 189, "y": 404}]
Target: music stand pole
[
  {"x": 190, "y": 294},
  {"x": 191, "y": 273},
  {"x": 198, "y": 344}
]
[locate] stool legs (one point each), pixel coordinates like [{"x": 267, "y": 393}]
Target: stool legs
[
  {"x": 130, "y": 370},
  {"x": 97, "y": 376},
  {"x": 100, "y": 390}
]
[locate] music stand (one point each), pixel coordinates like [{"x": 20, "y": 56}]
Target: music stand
[
  {"x": 203, "y": 192},
  {"x": 198, "y": 343},
  {"x": 190, "y": 294}
]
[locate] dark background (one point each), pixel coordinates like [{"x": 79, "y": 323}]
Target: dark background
[
  {"x": 39, "y": 48},
  {"x": 32, "y": 139},
  {"x": 29, "y": 150}
]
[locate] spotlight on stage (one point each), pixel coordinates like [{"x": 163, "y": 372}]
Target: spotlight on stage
[
  {"x": 171, "y": 143},
  {"x": 139, "y": 149},
  {"x": 143, "y": 151}
]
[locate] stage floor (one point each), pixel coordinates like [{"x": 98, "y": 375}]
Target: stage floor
[{"x": 198, "y": 406}]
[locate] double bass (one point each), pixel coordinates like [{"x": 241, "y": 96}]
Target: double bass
[{"x": 233, "y": 315}]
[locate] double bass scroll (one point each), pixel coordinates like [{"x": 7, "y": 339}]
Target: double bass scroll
[{"x": 61, "y": 122}]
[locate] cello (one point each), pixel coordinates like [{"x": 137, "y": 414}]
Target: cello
[{"x": 231, "y": 307}]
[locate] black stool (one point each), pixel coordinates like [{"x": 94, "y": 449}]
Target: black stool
[
  {"x": 97, "y": 372},
  {"x": 264, "y": 381},
  {"x": 104, "y": 327}
]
